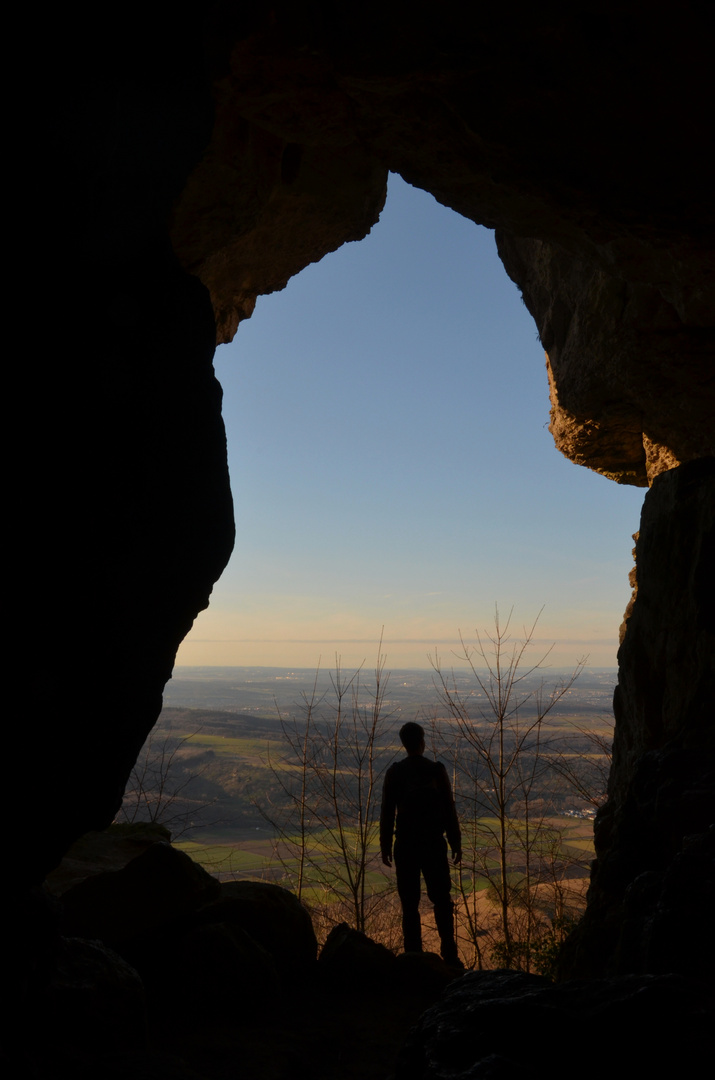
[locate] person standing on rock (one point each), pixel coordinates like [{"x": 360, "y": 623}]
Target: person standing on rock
[{"x": 417, "y": 790}]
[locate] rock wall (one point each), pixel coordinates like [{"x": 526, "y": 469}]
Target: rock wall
[
  {"x": 562, "y": 129},
  {"x": 624, "y": 368},
  {"x": 654, "y": 877},
  {"x": 186, "y": 163},
  {"x": 124, "y": 518}
]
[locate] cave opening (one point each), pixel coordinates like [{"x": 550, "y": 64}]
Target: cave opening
[
  {"x": 175, "y": 149},
  {"x": 387, "y": 423}
]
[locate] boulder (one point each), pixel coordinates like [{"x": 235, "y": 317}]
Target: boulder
[
  {"x": 215, "y": 970},
  {"x": 273, "y": 917},
  {"x": 94, "y": 1001},
  {"x": 504, "y": 1025},
  {"x": 424, "y": 973},
  {"x": 354, "y": 960},
  {"x": 98, "y": 852},
  {"x": 161, "y": 887}
]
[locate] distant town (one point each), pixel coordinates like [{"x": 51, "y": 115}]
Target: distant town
[{"x": 266, "y": 691}]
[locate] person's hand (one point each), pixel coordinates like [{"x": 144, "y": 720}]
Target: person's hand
[
  {"x": 457, "y": 857},
  {"x": 387, "y": 860}
]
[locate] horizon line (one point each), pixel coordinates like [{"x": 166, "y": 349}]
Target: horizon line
[
  {"x": 385, "y": 641},
  {"x": 313, "y": 668}
]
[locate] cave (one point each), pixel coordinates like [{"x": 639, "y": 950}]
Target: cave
[{"x": 177, "y": 166}]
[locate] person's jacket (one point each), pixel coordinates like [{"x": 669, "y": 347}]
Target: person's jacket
[{"x": 417, "y": 790}]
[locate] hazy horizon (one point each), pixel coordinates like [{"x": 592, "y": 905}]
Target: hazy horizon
[
  {"x": 179, "y": 670},
  {"x": 272, "y": 690}
]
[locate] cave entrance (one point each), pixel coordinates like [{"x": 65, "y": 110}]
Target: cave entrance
[{"x": 391, "y": 463}]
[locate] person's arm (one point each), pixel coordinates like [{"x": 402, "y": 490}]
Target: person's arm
[{"x": 387, "y": 818}]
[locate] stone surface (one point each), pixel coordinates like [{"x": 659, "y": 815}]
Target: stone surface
[
  {"x": 94, "y": 1002},
  {"x": 101, "y": 852},
  {"x": 273, "y": 917},
  {"x": 124, "y": 513},
  {"x": 610, "y": 249},
  {"x": 160, "y": 888},
  {"x": 351, "y": 958},
  {"x": 212, "y": 949},
  {"x": 423, "y": 971},
  {"x": 503, "y": 1025},
  {"x": 656, "y": 824},
  {"x": 88, "y": 1018},
  {"x": 312, "y": 201},
  {"x": 214, "y": 970},
  {"x": 623, "y": 367}
]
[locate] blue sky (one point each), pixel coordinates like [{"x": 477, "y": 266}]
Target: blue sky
[{"x": 387, "y": 418}]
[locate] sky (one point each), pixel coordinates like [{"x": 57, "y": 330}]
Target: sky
[{"x": 392, "y": 469}]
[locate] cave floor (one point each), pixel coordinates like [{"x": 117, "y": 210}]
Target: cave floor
[{"x": 320, "y": 1032}]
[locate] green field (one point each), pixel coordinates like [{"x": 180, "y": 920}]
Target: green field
[
  {"x": 243, "y": 856},
  {"x": 230, "y": 770}
]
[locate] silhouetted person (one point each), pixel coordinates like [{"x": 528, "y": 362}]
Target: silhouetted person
[{"x": 418, "y": 790}]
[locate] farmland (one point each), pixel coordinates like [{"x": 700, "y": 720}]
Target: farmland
[{"x": 224, "y": 778}]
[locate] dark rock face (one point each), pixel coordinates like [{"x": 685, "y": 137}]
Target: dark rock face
[
  {"x": 618, "y": 410},
  {"x": 197, "y": 944},
  {"x": 175, "y": 173},
  {"x": 124, "y": 517},
  {"x": 502, "y": 1025},
  {"x": 655, "y": 842},
  {"x": 352, "y": 958},
  {"x": 98, "y": 853},
  {"x": 169, "y": 944},
  {"x": 95, "y": 992},
  {"x": 138, "y": 490},
  {"x": 549, "y": 127},
  {"x": 214, "y": 970},
  {"x": 160, "y": 888},
  {"x": 274, "y": 918}
]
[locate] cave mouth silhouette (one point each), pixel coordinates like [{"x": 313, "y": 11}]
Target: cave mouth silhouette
[
  {"x": 172, "y": 176},
  {"x": 386, "y": 421}
]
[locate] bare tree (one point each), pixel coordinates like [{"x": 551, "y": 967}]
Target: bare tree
[
  {"x": 500, "y": 764},
  {"x": 160, "y": 787},
  {"x": 586, "y": 766},
  {"x": 328, "y": 772}
]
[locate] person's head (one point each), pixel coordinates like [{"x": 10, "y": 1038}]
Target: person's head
[{"x": 412, "y": 736}]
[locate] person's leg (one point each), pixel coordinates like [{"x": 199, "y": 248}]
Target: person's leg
[
  {"x": 435, "y": 867},
  {"x": 407, "y": 869}
]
